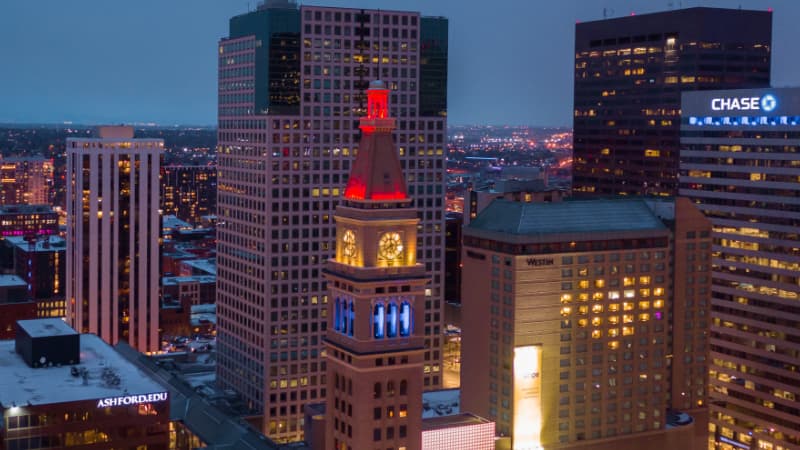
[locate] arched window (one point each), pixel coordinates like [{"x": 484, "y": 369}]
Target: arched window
[
  {"x": 352, "y": 317},
  {"x": 403, "y": 387},
  {"x": 391, "y": 320},
  {"x": 344, "y": 318},
  {"x": 337, "y": 314},
  {"x": 405, "y": 319},
  {"x": 378, "y": 321},
  {"x": 390, "y": 389},
  {"x": 376, "y": 391}
]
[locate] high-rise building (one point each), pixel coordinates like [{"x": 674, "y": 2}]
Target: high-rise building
[
  {"x": 586, "y": 321},
  {"x": 629, "y": 75},
  {"x": 189, "y": 192},
  {"x": 740, "y": 165},
  {"x": 291, "y": 92},
  {"x": 113, "y": 228},
  {"x": 26, "y": 180},
  {"x": 28, "y": 220},
  {"x": 374, "y": 344}
]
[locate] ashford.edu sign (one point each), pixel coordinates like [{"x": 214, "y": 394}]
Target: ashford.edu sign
[{"x": 126, "y": 400}]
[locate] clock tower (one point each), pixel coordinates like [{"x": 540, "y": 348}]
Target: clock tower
[{"x": 374, "y": 343}]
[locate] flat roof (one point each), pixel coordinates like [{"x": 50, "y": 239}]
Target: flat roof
[
  {"x": 443, "y": 402},
  {"x": 171, "y": 281},
  {"x": 573, "y": 216},
  {"x": 456, "y": 420},
  {"x": 21, "y": 384},
  {"x": 12, "y": 281},
  {"x": 49, "y": 244},
  {"x": 46, "y": 327},
  {"x": 26, "y": 209}
]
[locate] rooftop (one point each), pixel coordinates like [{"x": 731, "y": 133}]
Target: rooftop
[
  {"x": 22, "y": 385},
  {"x": 444, "y": 402},
  {"x": 171, "y": 281},
  {"x": 26, "y": 209},
  {"x": 12, "y": 281},
  {"x": 579, "y": 216},
  {"x": 46, "y": 327},
  {"x": 455, "y": 420},
  {"x": 48, "y": 244}
]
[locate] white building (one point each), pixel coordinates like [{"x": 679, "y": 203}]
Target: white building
[{"x": 112, "y": 236}]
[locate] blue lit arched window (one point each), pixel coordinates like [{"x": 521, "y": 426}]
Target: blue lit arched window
[
  {"x": 345, "y": 322},
  {"x": 337, "y": 314},
  {"x": 352, "y": 317},
  {"x": 391, "y": 320},
  {"x": 405, "y": 319},
  {"x": 378, "y": 321}
]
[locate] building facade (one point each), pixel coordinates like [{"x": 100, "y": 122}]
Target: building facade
[
  {"x": 87, "y": 396},
  {"x": 629, "y": 75},
  {"x": 189, "y": 192},
  {"x": 577, "y": 322},
  {"x": 740, "y": 165},
  {"x": 23, "y": 220},
  {"x": 113, "y": 228},
  {"x": 374, "y": 345},
  {"x": 26, "y": 181},
  {"x": 291, "y": 92}
]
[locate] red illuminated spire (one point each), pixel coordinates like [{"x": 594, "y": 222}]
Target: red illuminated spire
[{"x": 376, "y": 174}]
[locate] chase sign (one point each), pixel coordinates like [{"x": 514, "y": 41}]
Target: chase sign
[{"x": 766, "y": 103}]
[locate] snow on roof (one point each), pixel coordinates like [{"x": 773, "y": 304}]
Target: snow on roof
[
  {"x": 22, "y": 385},
  {"x": 46, "y": 327},
  {"x": 12, "y": 281},
  {"x": 444, "y": 402}
]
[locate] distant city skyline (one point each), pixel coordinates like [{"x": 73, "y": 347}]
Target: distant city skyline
[{"x": 153, "y": 61}]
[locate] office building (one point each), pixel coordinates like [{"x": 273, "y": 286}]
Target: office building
[
  {"x": 24, "y": 220},
  {"x": 585, "y": 322},
  {"x": 113, "y": 227},
  {"x": 189, "y": 192},
  {"x": 59, "y": 389},
  {"x": 740, "y": 165},
  {"x": 291, "y": 91},
  {"x": 458, "y": 432},
  {"x": 26, "y": 180},
  {"x": 629, "y": 75}
]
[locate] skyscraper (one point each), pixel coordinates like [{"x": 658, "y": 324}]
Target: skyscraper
[
  {"x": 740, "y": 165},
  {"x": 629, "y": 75},
  {"x": 113, "y": 227},
  {"x": 374, "y": 345},
  {"x": 586, "y": 321},
  {"x": 291, "y": 92}
]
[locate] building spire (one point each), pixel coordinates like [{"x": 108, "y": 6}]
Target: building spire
[{"x": 377, "y": 174}]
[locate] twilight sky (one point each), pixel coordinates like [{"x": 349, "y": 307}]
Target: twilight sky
[{"x": 110, "y": 61}]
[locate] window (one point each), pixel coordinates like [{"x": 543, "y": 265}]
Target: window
[{"x": 378, "y": 321}]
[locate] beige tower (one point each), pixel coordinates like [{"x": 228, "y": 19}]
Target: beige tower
[{"x": 374, "y": 343}]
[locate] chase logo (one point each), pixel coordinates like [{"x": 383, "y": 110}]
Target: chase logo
[{"x": 768, "y": 102}]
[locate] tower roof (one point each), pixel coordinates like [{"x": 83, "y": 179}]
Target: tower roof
[{"x": 377, "y": 174}]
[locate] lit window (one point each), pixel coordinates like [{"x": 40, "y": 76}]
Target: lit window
[
  {"x": 644, "y": 280},
  {"x": 566, "y": 310},
  {"x": 613, "y": 307},
  {"x": 658, "y": 304},
  {"x": 597, "y": 334},
  {"x": 613, "y": 332},
  {"x": 613, "y": 295},
  {"x": 628, "y": 281},
  {"x": 597, "y": 308},
  {"x": 627, "y": 306},
  {"x": 644, "y": 317},
  {"x": 630, "y": 293},
  {"x": 583, "y": 322},
  {"x": 613, "y": 320},
  {"x": 613, "y": 345},
  {"x": 658, "y": 291},
  {"x": 566, "y": 298},
  {"x": 596, "y": 321},
  {"x": 627, "y": 331},
  {"x": 627, "y": 318},
  {"x": 644, "y": 305}
]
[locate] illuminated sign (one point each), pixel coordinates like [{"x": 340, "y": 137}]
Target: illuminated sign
[
  {"x": 127, "y": 400},
  {"x": 540, "y": 262},
  {"x": 766, "y": 103},
  {"x": 526, "y": 434}
]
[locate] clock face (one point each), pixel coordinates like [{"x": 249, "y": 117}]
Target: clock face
[
  {"x": 349, "y": 244},
  {"x": 390, "y": 245}
]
